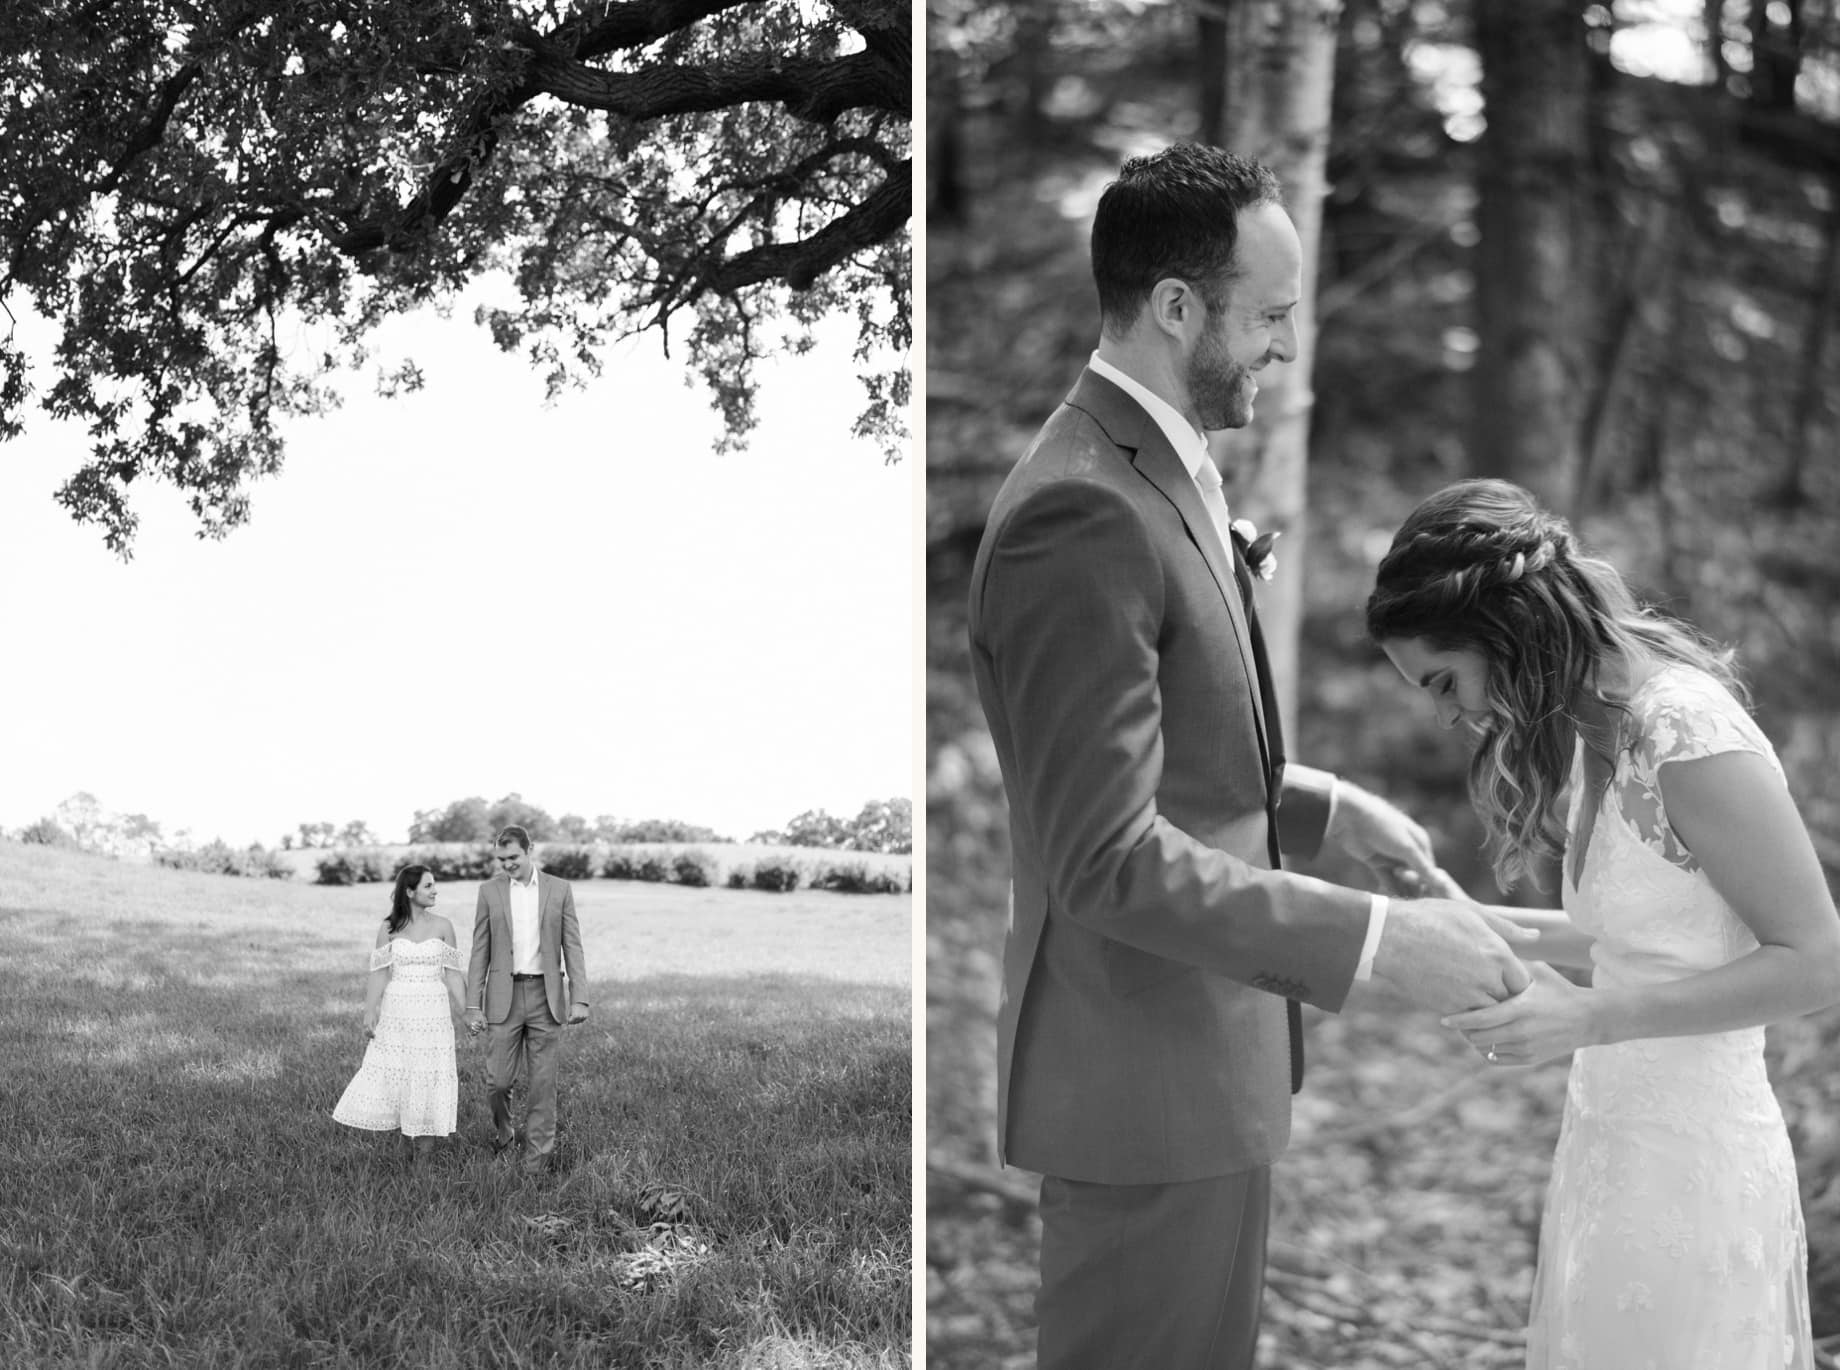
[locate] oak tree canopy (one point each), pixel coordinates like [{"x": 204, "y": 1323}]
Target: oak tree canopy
[{"x": 186, "y": 189}]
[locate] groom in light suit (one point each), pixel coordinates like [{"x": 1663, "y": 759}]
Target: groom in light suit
[
  {"x": 524, "y": 935},
  {"x": 1146, "y": 1049}
]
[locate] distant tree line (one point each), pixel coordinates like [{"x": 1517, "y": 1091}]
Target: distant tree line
[
  {"x": 474, "y": 820},
  {"x": 80, "y": 822},
  {"x": 884, "y": 825}
]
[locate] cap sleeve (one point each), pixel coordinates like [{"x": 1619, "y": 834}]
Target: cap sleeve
[
  {"x": 383, "y": 957},
  {"x": 1688, "y": 715},
  {"x": 452, "y": 958},
  {"x": 1681, "y": 715}
]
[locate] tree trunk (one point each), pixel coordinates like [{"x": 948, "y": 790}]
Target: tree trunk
[
  {"x": 1776, "y": 55},
  {"x": 1714, "y": 15},
  {"x": 1034, "y": 43},
  {"x": 1274, "y": 106},
  {"x": 945, "y": 170},
  {"x": 1535, "y": 82},
  {"x": 1791, "y": 490},
  {"x": 1641, "y": 267}
]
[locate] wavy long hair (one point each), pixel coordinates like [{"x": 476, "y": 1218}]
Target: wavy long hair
[
  {"x": 1480, "y": 566},
  {"x": 400, "y": 908}
]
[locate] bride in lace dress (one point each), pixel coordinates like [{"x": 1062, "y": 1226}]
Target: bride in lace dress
[
  {"x": 409, "y": 1080},
  {"x": 1615, "y": 741}
]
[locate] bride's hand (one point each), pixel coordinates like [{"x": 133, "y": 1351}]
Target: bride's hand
[
  {"x": 370, "y": 1022},
  {"x": 1548, "y": 1019}
]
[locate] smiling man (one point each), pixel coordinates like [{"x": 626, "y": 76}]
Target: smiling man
[
  {"x": 1146, "y": 1051},
  {"x": 525, "y": 935}
]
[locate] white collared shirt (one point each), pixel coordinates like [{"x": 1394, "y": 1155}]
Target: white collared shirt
[
  {"x": 526, "y": 925},
  {"x": 1189, "y": 441},
  {"x": 1191, "y": 445}
]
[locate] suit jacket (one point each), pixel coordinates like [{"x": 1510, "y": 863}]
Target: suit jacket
[
  {"x": 1141, "y": 1034},
  {"x": 559, "y": 945}
]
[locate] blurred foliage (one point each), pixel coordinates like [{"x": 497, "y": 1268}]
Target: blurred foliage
[
  {"x": 881, "y": 825},
  {"x": 1708, "y": 477}
]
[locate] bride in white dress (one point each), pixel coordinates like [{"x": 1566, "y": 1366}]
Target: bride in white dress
[
  {"x": 1615, "y": 740},
  {"x": 409, "y": 1080}
]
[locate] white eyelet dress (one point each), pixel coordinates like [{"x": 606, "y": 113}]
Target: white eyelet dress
[{"x": 408, "y": 1080}]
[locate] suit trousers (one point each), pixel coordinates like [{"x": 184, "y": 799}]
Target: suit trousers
[
  {"x": 1152, "y": 1277},
  {"x": 529, "y": 1030}
]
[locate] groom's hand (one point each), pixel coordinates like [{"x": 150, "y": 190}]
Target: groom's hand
[
  {"x": 1448, "y": 955},
  {"x": 578, "y": 1013},
  {"x": 1380, "y": 835}
]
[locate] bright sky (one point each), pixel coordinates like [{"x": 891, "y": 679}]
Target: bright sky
[{"x": 459, "y": 592}]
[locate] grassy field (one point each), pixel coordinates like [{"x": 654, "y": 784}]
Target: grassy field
[{"x": 173, "y": 1190}]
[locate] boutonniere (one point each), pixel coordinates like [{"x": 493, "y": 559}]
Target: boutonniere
[{"x": 1261, "y": 560}]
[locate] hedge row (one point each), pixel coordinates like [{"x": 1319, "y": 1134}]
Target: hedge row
[
  {"x": 694, "y": 867},
  {"x": 219, "y": 858}
]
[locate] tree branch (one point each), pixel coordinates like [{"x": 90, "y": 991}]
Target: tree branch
[
  {"x": 800, "y": 264},
  {"x": 816, "y": 91},
  {"x": 402, "y": 230},
  {"x": 632, "y": 24}
]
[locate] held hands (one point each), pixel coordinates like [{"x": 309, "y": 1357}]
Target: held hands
[
  {"x": 1449, "y": 955},
  {"x": 1551, "y": 1017},
  {"x": 1406, "y": 883},
  {"x": 475, "y": 1021}
]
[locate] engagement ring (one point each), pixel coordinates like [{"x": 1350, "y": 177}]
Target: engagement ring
[{"x": 1489, "y": 1055}]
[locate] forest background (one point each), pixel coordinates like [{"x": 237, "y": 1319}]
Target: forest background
[{"x": 1591, "y": 248}]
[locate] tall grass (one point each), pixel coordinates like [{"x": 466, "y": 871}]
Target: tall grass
[{"x": 732, "y": 1180}]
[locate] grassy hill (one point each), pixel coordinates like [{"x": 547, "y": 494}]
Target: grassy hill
[{"x": 173, "y": 1189}]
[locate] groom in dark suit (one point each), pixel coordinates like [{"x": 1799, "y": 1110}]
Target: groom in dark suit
[
  {"x": 524, "y": 935},
  {"x": 1147, "y": 1052}
]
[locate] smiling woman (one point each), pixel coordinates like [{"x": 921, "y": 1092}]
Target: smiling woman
[
  {"x": 1487, "y": 601},
  {"x": 1618, "y": 741},
  {"x": 1455, "y": 678}
]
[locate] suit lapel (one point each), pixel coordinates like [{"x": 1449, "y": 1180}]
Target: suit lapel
[
  {"x": 498, "y": 910},
  {"x": 546, "y": 886},
  {"x": 1125, "y": 421},
  {"x": 1268, "y": 693}
]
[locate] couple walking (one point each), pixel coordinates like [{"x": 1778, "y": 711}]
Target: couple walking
[
  {"x": 1149, "y": 1031},
  {"x": 525, "y": 938}
]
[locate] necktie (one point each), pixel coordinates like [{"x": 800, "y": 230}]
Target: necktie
[{"x": 1214, "y": 500}]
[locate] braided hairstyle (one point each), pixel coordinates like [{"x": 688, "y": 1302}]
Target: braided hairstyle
[{"x": 1480, "y": 567}]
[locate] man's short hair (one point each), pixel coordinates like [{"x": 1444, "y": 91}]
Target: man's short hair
[
  {"x": 1173, "y": 214},
  {"x": 513, "y": 834}
]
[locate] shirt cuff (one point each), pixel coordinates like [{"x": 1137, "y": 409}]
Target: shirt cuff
[{"x": 1376, "y": 924}]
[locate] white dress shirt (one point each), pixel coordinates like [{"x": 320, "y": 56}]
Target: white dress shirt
[
  {"x": 526, "y": 926},
  {"x": 1191, "y": 446}
]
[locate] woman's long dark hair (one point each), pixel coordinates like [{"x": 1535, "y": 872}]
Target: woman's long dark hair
[
  {"x": 1481, "y": 567},
  {"x": 400, "y": 908}
]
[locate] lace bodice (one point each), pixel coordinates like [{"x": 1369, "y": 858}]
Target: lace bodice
[
  {"x": 425, "y": 960},
  {"x": 1640, "y": 893}
]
